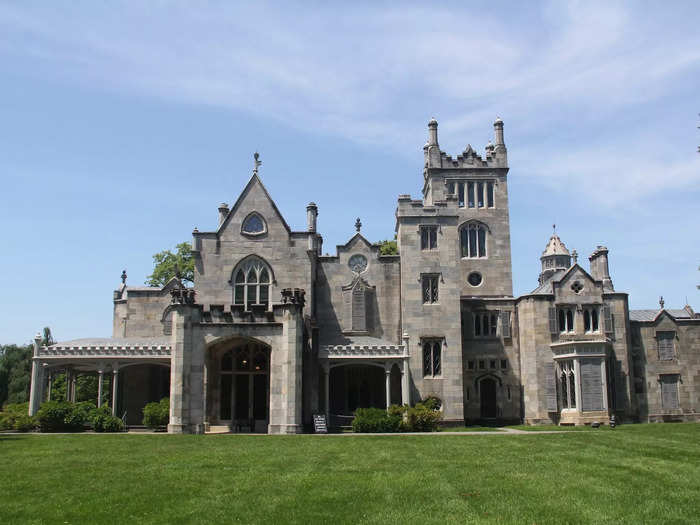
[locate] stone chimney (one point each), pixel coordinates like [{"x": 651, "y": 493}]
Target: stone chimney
[
  {"x": 223, "y": 212},
  {"x": 311, "y": 217},
  {"x": 499, "y": 148},
  {"x": 599, "y": 267},
  {"x": 432, "y": 148}
]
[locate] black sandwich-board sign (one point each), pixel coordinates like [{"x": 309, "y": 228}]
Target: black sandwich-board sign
[{"x": 320, "y": 426}]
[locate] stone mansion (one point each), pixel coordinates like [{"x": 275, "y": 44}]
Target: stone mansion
[{"x": 274, "y": 332}]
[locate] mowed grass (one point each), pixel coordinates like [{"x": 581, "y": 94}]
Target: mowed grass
[{"x": 634, "y": 474}]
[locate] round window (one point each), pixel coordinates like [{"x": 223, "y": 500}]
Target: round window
[
  {"x": 474, "y": 278},
  {"x": 358, "y": 263}
]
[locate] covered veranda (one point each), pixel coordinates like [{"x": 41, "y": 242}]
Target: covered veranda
[
  {"x": 363, "y": 372},
  {"x": 146, "y": 360}
]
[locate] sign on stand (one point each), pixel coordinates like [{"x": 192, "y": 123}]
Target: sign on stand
[{"x": 320, "y": 425}]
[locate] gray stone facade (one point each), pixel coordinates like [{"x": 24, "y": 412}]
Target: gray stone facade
[{"x": 277, "y": 332}]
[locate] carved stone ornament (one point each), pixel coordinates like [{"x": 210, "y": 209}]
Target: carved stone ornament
[{"x": 358, "y": 263}]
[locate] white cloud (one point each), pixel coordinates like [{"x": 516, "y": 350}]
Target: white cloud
[{"x": 369, "y": 73}]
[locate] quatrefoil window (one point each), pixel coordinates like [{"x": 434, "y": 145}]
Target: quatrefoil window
[{"x": 577, "y": 287}]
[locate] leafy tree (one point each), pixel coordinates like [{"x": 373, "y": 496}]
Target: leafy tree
[
  {"x": 387, "y": 247},
  {"x": 15, "y": 373},
  {"x": 166, "y": 262}
]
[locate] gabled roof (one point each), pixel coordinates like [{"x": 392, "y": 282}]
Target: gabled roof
[{"x": 254, "y": 179}]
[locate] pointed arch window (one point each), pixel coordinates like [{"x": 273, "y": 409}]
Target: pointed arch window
[
  {"x": 252, "y": 280},
  {"x": 473, "y": 240},
  {"x": 254, "y": 224}
]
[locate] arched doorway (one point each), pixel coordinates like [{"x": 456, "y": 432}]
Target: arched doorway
[
  {"x": 487, "y": 394},
  {"x": 244, "y": 391}
]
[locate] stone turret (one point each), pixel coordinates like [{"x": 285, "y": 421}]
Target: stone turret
[{"x": 554, "y": 257}]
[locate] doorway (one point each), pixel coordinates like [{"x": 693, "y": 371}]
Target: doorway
[
  {"x": 487, "y": 393},
  {"x": 245, "y": 388}
]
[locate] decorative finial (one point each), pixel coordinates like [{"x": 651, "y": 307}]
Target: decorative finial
[
  {"x": 358, "y": 225},
  {"x": 661, "y": 302},
  {"x": 124, "y": 277},
  {"x": 258, "y": 162},
  {"x": 574, "y": 254},
  {"x": 554, "y": 229}
]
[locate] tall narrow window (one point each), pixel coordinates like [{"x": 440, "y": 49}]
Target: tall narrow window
[
  {"x": 590, "y": 319},
  {"x": 485, "y": 324},
  {"x": 566, "y": 319},
  {"x": 480, "y": 194},
  {"x": 432, "y": 358},
  {"x": 428, "y": 237},
  {"x": 460, "y": 194},
  {"x": 567, "y": 384},
  {"x": 664, "y": 343},
  {"x": 473, "y": 240},
  {"x": 490, "y": 196},
  {"x": 669, "y": 391},
  {"x": 429, "y": 283},
  {"x": 470, "y": 194},
  {"x": 252, "y": 283}
]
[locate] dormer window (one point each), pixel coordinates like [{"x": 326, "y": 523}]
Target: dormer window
[{"x": 253, "y": 224}]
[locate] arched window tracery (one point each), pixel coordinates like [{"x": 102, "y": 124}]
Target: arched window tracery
[{"x": 252, "y": 280}]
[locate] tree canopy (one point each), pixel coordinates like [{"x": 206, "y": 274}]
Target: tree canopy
[
  {"x": 387, "y": 247},
  {"x": 165, "y": 263}
]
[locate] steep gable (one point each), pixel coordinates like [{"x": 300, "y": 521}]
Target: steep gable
[
  {"x": 254, "y": 199},
  {"x": 577, "y": 286}
]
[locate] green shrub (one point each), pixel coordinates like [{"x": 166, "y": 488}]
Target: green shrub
[
  {"x": 62, "y": 416},
  {"x": 422, "y": 418},
  {"x": 104, "y": 421},
  {"x": 432, "y": 402},
  {"x": 11, "y": 412},
  {"x": 377, "y": 420},
  {"x": 24, "y": 423},
  {"x": 156, "y": 415}
]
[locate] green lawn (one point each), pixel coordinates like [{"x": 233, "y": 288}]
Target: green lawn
[{"x": 634, "y": 474}]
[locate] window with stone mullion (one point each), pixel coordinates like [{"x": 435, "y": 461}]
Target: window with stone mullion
[{"x": 432, "y": 358}]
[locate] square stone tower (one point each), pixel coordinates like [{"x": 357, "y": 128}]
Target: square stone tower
[{"x": 455, "y": 257}]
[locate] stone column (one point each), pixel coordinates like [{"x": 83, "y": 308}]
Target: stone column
[
  {"x": 286, "y": 373},
  {"x": 73, "y": 386},
  {"x": 69, "y": 372},
  {"x": 35, "y": 393},
  {"x": 604, "y": 382},
  {"x": 186, "y": 371},
  {"x": 50, "y": 384},
  {"x": 387, "y": 384},
  {"x": 115, "y": 382},
  {"x": 405, "y": 371},
  {"x": 100, "y": 377},
  {"x": 577, "y": 384},
  {"x": 327, "y": 391}
]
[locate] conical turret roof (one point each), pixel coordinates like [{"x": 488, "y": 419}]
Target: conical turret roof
[{"x": 555, "y": 246}]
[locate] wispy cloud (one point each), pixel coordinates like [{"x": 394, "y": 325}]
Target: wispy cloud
[{"x": 368, "y": 73}]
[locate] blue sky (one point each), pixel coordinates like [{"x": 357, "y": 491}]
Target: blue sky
[{"x": 123, "y": 125}]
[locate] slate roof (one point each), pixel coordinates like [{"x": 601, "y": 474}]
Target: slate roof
[
  {"x": 546, "y": 287},
  {"x": 650, "y": 315},
  {"x": 555, "y": 246}
]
